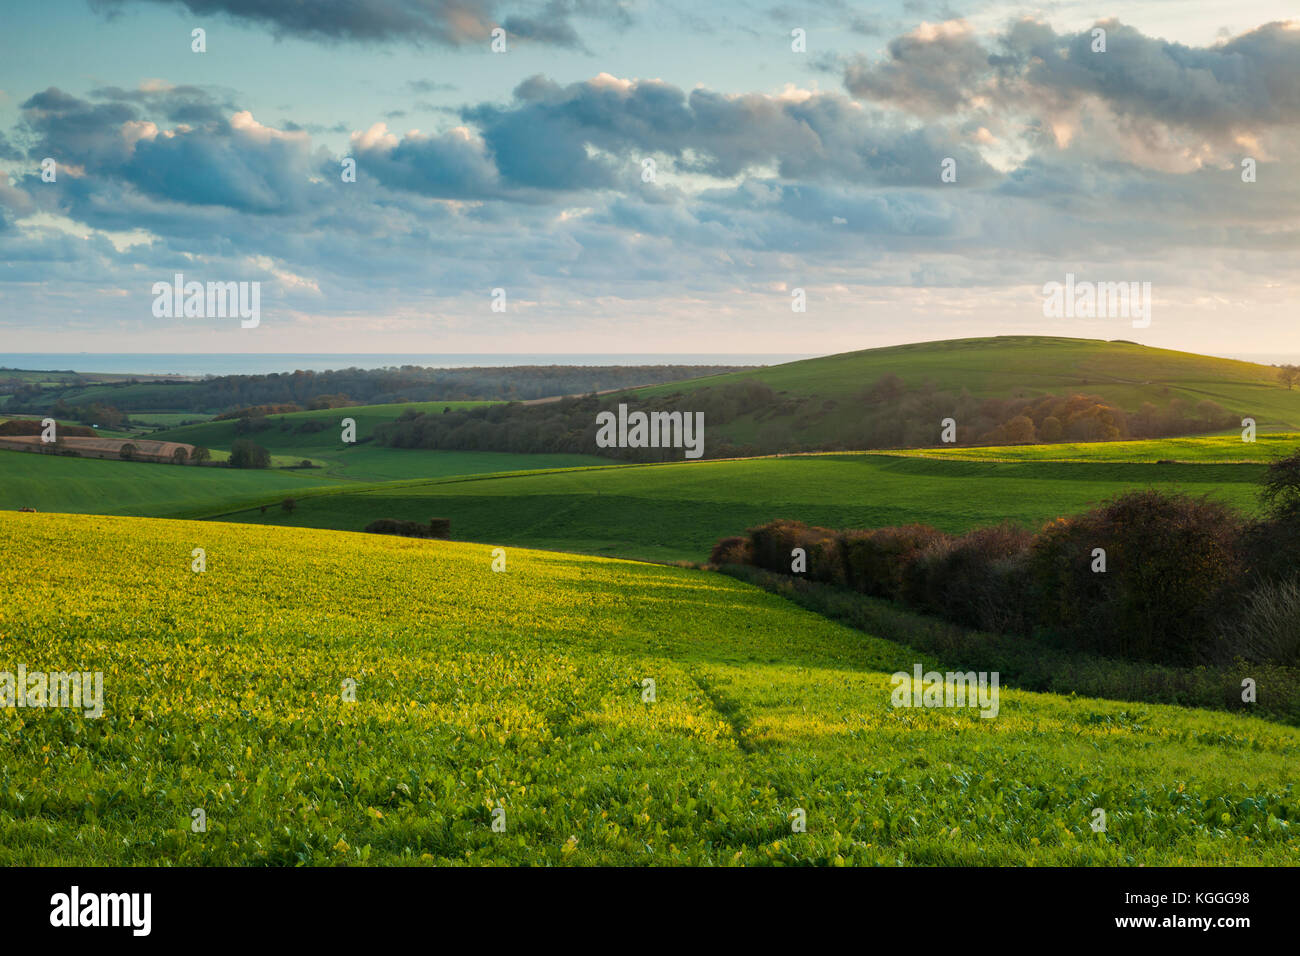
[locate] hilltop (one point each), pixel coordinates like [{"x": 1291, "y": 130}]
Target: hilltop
[
  {"x": 997, "y": 391},
  {"x": 1157, "y": 392}
]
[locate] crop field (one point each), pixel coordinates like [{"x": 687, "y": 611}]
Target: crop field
[
  {"x": 99, "y": 486},
  {"x": 94, "y": 486},
  {"x": 1229, "y": 449},
  {"x": 677, "y": 511},
  {"x": 522, "y": 690}
]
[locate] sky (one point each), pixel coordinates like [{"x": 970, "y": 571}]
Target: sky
[{"x": 645, "y": 177}]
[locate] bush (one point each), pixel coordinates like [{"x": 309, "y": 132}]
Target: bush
[
  {"x": 246, "y": 426},
  {"x": 771, "y": 545},
  {"x": 1170, "y": 560},
  {"x": 1281, "y": 491},
  {"x": 288, "y": 505},
  {"x": 976, "y": 580},
  {"x": 1268, "y": 627},
  {"x": 245, "y": 453},
  {"x": 1270, "y": 547},
  {"x": 734, "y": 550},
  {"x": 436, "y": 528},
  {"x": 874, "y": 560}
]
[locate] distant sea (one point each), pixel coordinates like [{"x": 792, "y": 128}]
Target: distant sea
[{"x": 197, "y": 364}]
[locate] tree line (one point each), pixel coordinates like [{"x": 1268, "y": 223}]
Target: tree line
[{"x": 886, "y": 414}]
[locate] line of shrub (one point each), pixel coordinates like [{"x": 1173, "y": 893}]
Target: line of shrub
[
  {"x": 436, "y": 528},
  {"x": 1033, "y": 664},
  {"x": 1147, "y": 576}
]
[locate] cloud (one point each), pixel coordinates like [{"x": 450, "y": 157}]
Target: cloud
[
  {"x": 1246, "y": 84},
  {"x": 451, "y": 23},
  {"x": 451, "y": 165},
  {"x": 237, "y": 162},
  {"x": 430, "y": 86},
  {"x": 8, "y": 150},
  {"x": 1059, "y": 155},
  {"x": 585, "y": 134}
]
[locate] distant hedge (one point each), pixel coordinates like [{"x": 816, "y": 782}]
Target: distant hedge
[
  {"x": 30, "y": 426},
  {"x": 436, "y": 528},
  {"x": 1147, "y": 576}
]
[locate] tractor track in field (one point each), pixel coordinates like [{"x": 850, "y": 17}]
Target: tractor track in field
[{"x": 729, "y": 710}]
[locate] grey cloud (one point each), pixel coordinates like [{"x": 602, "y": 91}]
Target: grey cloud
[
  {"x": 541, "y": 140},
  {"x": 1249, "y": 81},
  {"x": 236, "y": 164},
  {"x": 451, "y": 23}
]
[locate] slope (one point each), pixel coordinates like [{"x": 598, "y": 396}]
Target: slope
[{"x": 327, "y": 698}]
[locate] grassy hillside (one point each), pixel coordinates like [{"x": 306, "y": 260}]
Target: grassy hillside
[
  {"x": 1123, "y": 373},
  {"x": 365, "y": 461},
  {"x": 160, "y": 396},
  {"x": 522, "y": 690},
  {"x": 1007, "y": 365},
  {"x": 219, "y": 434},
  {"x": 677, "y": 511}
]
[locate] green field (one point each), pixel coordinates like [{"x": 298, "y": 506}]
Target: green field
[
  {"x": 98, "y": 486},
  {"x": 522, "y": 691},
  {"x": 103, "y": 486},
  {"x": 661, "y": 512},
  {"x": 676, "y": 511},
  {"x": 366, "y": 461},
  {"x": 164, "y": 419},
  {"x": 1223, "y": 449}
]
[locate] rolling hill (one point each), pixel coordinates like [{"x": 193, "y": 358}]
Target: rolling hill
[
  {"x": 328, "y": 698},
  {"x": 820, "y": 400},
  {"x": 676, "y": 511}
]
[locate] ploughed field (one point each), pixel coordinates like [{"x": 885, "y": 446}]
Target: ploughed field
[{"x": 523, "y": 690}]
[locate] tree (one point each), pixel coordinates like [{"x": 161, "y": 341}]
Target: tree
[
  {"x": 1020, "y": 430},
  {"x": 245, "y": 453},
  {"x": 127, "y": 451},
  {"x": 1281, "y": 492},
  {"x": 1288, "y": 375},
  {"x": 200, "y": 454},
  {"x": 179, "y": 456},
  {"x": 288, "y": 505}
]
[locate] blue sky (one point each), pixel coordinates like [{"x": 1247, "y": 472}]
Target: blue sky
[{"x": 523, "y": 170}]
